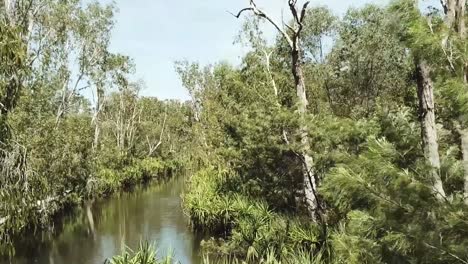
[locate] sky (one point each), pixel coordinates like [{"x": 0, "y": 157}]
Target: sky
[{"x": 156, "y": 33}]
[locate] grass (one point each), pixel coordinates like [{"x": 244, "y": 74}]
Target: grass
[
  {"x": 246, "y": 230},
  {"x": 146, "y": 254}
]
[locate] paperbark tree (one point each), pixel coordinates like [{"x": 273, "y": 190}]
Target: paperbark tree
[
  {"x": 153, "y": 145},
  {"x": 293, "y": 37},
  {"x": 15, "y": 26},
  {"x": 428, "y": 123},
  {"x": 455, "y": 12}
]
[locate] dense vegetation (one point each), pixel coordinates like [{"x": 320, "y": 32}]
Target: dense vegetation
[
  {"x": 385, "y": 152},
  {"x": 58, "y": 147},
  {"x": 343, "y": 141}
]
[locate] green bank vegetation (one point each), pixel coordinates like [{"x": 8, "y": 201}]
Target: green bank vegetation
[
  {"x": 368, "y": 167},
  {"x": 146, "y": 254},
  {"x": 57, "y": 146},
  {"x": 343, "y": 141}
]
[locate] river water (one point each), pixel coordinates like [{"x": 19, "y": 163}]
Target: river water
[{"x": 103, "y": 229}]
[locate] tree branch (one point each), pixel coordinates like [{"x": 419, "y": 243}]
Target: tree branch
[
  {"x": 268, "y": 69},
  {"x": 260, "y": 13},
  {"x": 289, "y": 27},
  {"x": 446, "y": 252},
  {"x": 292, "y": 7},
  {"x": 444, "y": 6},
  {"x": 240, "y": 12},
  {"x": 303, "y": 12}
]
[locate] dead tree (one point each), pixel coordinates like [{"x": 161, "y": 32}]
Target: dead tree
[{"x": 292, "y": 35}]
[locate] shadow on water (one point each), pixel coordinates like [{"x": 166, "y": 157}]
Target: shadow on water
[{"x": 101, "y": 230}]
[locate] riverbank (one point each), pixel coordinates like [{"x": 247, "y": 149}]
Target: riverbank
[
  {"x": 149, "y": 212},
  {"x": 106, "y": 183}
]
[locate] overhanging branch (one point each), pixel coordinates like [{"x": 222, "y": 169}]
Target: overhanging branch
[
  {"x": 260, "y": 13},
  {"x": 241, "y": 11}
]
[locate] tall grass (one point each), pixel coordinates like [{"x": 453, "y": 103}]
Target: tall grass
[
  {"x": 146, "y": 254},
  {"x": 270, "y": 257},
  {"x": 247, "y": 230}
]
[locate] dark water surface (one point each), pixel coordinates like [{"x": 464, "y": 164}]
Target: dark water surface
[{"x": 153, "y": 213}]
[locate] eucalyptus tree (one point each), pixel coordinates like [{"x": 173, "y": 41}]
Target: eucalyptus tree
[
  {"x": 121, "y": 117},
  {"x": 44, "y": 44},
  {"x": 293, "y": 36},
  {"x": 417, "y": 34},
  {"x": 96, "y": 61},
  {"x": 455, "y": 42},
  {"x": 13, "y": 54},
  {"x": 368, "y": 64},
  {"x": 16, "y": 22}
]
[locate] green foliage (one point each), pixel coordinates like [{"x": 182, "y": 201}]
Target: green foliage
[
  {"x": 364, "y": 133},
  {"x": 146, "y": 254},
  {"x": 248, "y": 229},
  {"x": 368, "y": 62},
  {"x": 242, "y": 136},
  {"x": 389, "y": 211},
  {"x": 57, "y": 147}
]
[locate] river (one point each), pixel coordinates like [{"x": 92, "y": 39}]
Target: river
[{"x": 151, "y": 213}]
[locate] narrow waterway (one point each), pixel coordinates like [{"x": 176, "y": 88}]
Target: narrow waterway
[{"x": 101, "y": 230}]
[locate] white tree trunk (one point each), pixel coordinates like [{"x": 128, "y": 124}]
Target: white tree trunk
[
  {"x": 428, "y": 125},
  {"x": 455, "y": 19},
  {"x": 464, "y": 149},
  {"x": 97, "y": 116},
  {"x": 310, "y": 182},
  {"x": 464, "y": 132}
]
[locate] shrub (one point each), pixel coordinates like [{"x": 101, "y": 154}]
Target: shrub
[{"x": 146, "y": 254}]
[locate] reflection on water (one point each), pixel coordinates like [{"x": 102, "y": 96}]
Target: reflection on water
[{"x": 101, "y": 230}]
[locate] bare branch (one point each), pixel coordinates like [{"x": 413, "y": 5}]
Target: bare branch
[
  {"x": 270, "y": 75},
  {"x": 292, "y": 7},
  {"x": 240, "y": 12},
  {"x": 446, "y": 252},
  {"x": 444, "y": 6},
  {"x": 289, "y": 27},
  {"x": 260, "y": 13},
  {"x": 303, "y": 12}
]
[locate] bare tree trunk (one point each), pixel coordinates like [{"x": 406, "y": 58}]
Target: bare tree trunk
[
  {"x": 428, "y": 124},
  {"x": 455, "y": 19},
  {"x": 97, "y": 133},
  {"x": 464, "y": 149},
  {"x": 10, "y": 7},
  {"x": 97, "y": 117},
  {"x": 310, "y": 183},
  {"x": 310, "y": 180},
  {"x": 464, "y": 132},
  {"x": 153, "y": 147}
]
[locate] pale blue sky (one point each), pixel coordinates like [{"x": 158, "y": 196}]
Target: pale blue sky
[{"x": 155, "y": 33}]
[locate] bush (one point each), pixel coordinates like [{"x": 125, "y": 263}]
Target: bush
[
  {"x": 151, "y": 167},
  {"x": 245, "y": 228},
  {"x": 146, "y": 254},
  {"x": 109, "y": 179}
]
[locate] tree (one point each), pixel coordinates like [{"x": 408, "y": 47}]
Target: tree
[
  {"x": 428, "y": 123},
  {"x": 418, "y": 37},
  {"x": 368, "y": 65},
  {"x": 310, "y": 179},
  {"x": 455, "y": 19}
]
